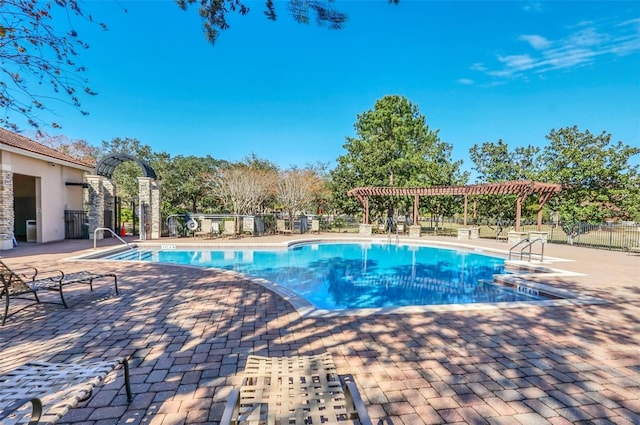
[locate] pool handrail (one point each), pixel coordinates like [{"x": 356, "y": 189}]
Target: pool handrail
[
  {"x": 529, "y": 244},
  {"x": 95, "y": 239}
]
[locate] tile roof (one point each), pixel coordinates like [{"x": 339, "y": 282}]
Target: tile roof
[{"x": 9, "y": 138}]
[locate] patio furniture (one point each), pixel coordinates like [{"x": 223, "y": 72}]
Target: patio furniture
[
  {"x": 25, "y": 283},
  {"x": 315, "y": 226},
  {"x": 229, "y": 229},
  {"x": 294, "y": 390},
  {"x": 206, "y": 228},
  {"x": 41, "y": 392},
  {"x": 281, "y": 227}
]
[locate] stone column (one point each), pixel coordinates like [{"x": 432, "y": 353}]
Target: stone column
[
  {"x": 7, "y": 215},
  {"x": 150, "y": 220},
  {"x": 109, "y": 192},
  {"x": 96, "y": 205},
  {"x": 156, "y": 218},
  {"x": 144, "y": 196},
  {"x": 365, "y": 229},
  {"x": 414, "y": 231}
]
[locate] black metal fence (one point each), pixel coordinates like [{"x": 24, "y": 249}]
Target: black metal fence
[
  {"x": 611, "y": 236},
  {"x": 620, "y": 235},
  {"x": 76, "y": 224}
]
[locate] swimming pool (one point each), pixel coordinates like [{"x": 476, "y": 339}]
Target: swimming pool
[{"x": 339, "y": 276}]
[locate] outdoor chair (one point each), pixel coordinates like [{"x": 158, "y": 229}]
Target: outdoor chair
[
  {"x": 294, "y": 390},
  {"x": 281, "y": 227},
  {"x": 25, "y": 283},
  {"x": 229, "y": 229},
  {"x": 41, "y": 392},
  {"x": 315, "y": 226},
  {"x": 206, "y": 228}
]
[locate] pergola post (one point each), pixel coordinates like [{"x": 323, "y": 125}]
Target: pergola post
[
  {"x": 541, "y": 201},
  {"x": 416, "y": 203},
  {"x": 365, "y": 202},
  {"x": 475, "y": 210},
  {"x": 466, "y": 208},
  {"x": 518, "y": 211}
]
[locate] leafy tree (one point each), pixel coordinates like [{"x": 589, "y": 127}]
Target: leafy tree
[
  {"x": 296, "y": 190},
  {"x": 240, "y": 188},
  {"x": 79, "y": 149},
  {"x": 32, "y": 49},
  {"x": 598, "y": 181},
  {"x": 393, "y": 147},
  {"x": 126, "y": 174},
  {"x": 495, "y": 163},
  {"x": 183, "y": 187},
  {"x": 214, "y": 13},
  {"x": 182, "y": 177}
]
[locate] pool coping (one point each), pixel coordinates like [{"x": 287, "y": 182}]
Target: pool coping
[{"x": 524, "y": 280}]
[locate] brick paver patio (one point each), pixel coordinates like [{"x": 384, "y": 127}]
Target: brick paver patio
[{"x": 189, "y": 332}]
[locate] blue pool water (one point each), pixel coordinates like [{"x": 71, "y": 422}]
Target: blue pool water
[{"x": 336, "y": 276}]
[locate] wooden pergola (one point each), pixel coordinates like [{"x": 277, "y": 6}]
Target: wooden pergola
[{"x": 520, "y": 188}]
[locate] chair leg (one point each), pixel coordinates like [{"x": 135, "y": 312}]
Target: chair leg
[
  {"x": 6, "y": 309},
  {"x": 115, "y": 282},
  {"x": 353, "y": 395},
  {"x": 36, "y": 409},
  {"x": 230, "y": 408},
  {"x": 64, "y": 303},
  {"x": 127, "y": 381}
]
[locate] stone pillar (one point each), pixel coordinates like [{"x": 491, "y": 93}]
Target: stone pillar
[
  {"x": 96, "y": 205},
  {"x": 156, "y": 216},
  {"x": 365, "y": 229},
  {"x": 464, "y": 233},
  {"x": 516, "y": 237},
  {"x": 7, "y": 215},
  {"x": 144, "y": 195},
  {"x": 543, "y": 236},
  {"x": 109, "y": 192},
  {"x": 414, "y": 231}
]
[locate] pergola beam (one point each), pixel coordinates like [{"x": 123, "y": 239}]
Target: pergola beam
[{"x": 521, "y": 188}]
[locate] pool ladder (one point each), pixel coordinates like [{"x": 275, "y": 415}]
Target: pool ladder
[
  {"x": 529, "y": 243},
  {"x": 95, "y": 239},
  {"x": 391, "y": 234}
]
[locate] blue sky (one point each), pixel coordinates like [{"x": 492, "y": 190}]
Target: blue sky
[{"x": 479, "y": 71}]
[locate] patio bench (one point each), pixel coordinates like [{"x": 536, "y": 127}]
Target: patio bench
[
  {"x": 27, "y": 281},
  {"x": 42, "y": 392}
]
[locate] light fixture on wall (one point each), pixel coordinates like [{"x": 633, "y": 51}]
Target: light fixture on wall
[{"x": 52, "y": 164}]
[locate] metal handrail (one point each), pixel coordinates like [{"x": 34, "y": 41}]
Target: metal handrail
[
  {"x": 516, "y": 245},
  {"x": 95, "y": 234},
  {"x": 529, "y": 244}
]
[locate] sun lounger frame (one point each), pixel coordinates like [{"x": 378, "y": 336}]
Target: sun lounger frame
[{"x": 25, "y": 283}]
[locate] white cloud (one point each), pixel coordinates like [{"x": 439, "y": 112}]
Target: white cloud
[
  {"x": 465, "y": 81},
  {"x": 479, "y": 67},
  {"x": 532, "y": 6},
  {"x": 583, "y": 46},
  {"x": 538, "y": 42}
]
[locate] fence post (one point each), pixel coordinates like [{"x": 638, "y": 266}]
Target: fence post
[{"x": 610, "y": 235}]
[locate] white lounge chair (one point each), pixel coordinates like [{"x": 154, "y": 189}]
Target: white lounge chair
[
  {"x": 42, "y": 392},
  {"x": 294, "y": 390}
]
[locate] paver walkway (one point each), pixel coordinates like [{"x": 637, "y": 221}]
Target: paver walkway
[{"x": 190, "y": 330}]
